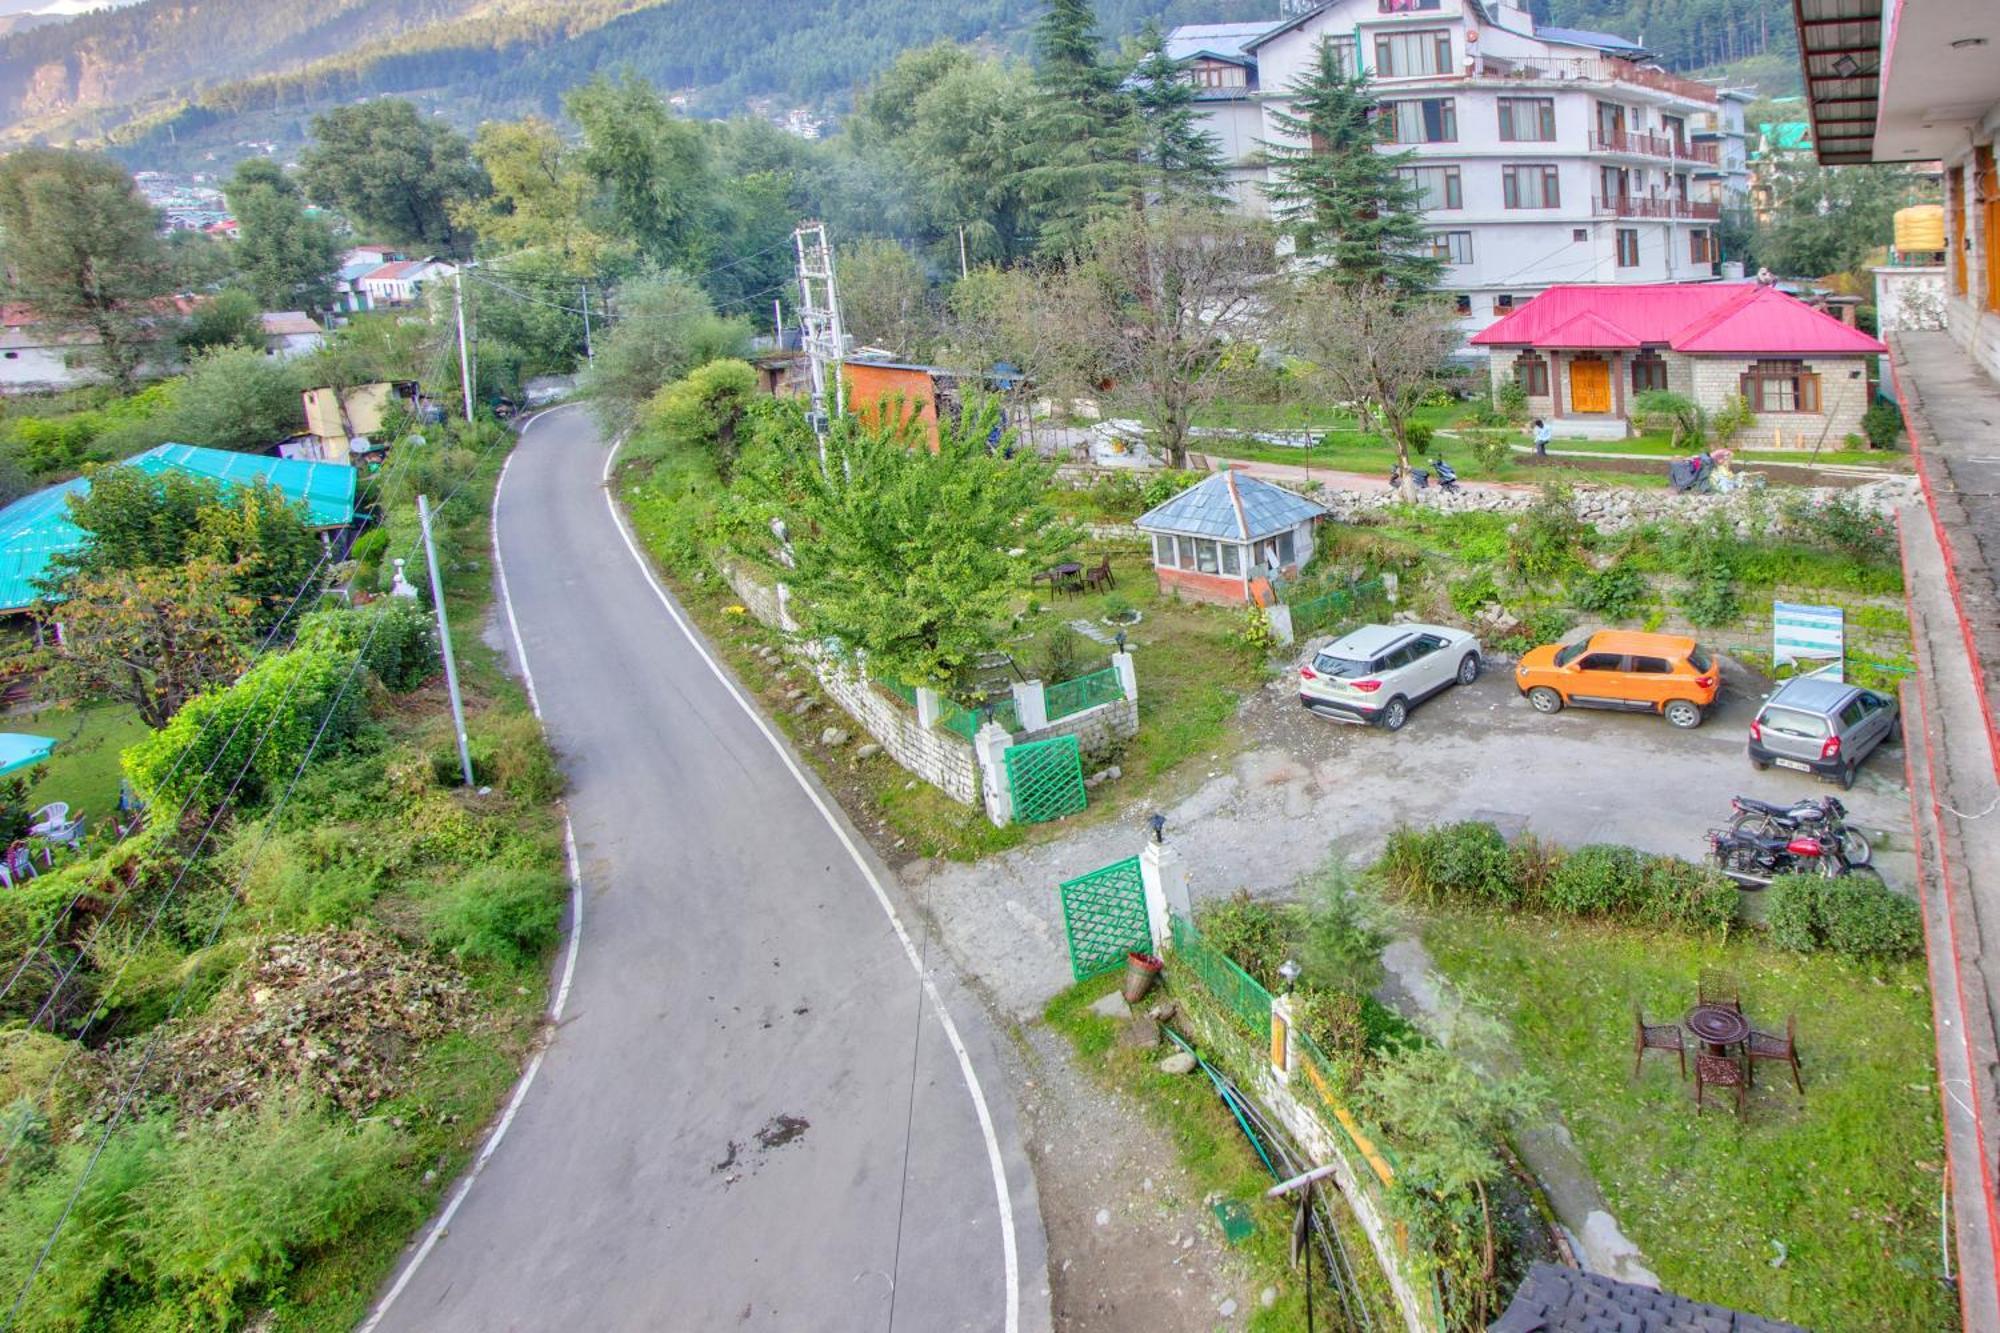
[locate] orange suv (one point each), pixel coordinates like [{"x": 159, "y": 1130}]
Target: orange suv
[{"x": 1668, "y": 674}]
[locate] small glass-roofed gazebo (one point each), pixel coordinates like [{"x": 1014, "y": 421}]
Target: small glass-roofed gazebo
[{"x": 1216, "y": 539}]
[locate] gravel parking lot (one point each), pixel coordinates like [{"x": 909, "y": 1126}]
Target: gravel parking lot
[{"x": 1301, "y": 789}]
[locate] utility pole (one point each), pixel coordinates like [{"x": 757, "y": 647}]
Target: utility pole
[
  {"x": 961, "y": 251},
  {"x": 444, "y": 639},
  {"x": 819, "y": 314},
  {"x": 588, "y": 354},
  {"x": 464, "y": 375}
]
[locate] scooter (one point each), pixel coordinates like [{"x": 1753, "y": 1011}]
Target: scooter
[
  {"x": 1419, "y": 478},
  {"x": 1825, "y": 817},
  {"x": 1447, "y": 479}
]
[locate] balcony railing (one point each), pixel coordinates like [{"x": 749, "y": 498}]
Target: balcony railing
[
  {"x": 1594, "y": 69},
  {"x": 1633, "y": 206},
  {"x": 1698, "y": 152},
  {"x": 1650, "y": 145}
]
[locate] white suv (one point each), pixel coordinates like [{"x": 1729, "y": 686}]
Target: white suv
[{"x": 1379, "y": 672}]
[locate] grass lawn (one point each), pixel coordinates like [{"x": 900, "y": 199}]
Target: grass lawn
[
  {"x": 1822, "y": 1210},
  {"x": 1368, "y": 456},
  {"x": 84, "y": 770},
  {"x": 1218, "y": 1159}
]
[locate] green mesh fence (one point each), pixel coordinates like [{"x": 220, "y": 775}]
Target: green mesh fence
[
  {"x": 967, "y": 721},
  {"x": 1313, "y": 614},
  {"x": 1233, "y": 988},
  {"x": 1046, "y": 778},
  {"x": 1073, "y": 696},
  {"x": 1104, "y": 914},
  {"x": 907, "y": 693}
]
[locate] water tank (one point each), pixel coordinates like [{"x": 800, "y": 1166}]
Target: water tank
[{"x": 1920, "y": 229}]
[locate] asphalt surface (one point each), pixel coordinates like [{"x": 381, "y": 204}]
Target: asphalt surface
[{"x": 743, "y": 1119}]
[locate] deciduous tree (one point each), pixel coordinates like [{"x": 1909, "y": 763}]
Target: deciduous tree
[
  {"x": 230, "y": 318},
  {"x": 650, "y": 168},
  {"x": 1826, "y": 220},
  {"x": 82, "y": 248},
  {"x": 286, "y": 256},
  {"x": 150, "y": 638},
  {"x": 540, "y": 194},
  {"x": 885, "y": 300},
  {"x": 706, "y": 410},
  {"x": 665, "y": 327},
  {"x": 395, "y": 174}
]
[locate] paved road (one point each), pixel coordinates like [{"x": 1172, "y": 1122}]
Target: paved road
[{"x": 716, "y": 1137}]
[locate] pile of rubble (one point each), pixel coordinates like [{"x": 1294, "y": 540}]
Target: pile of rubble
[{"x": 337, "y": 1014}]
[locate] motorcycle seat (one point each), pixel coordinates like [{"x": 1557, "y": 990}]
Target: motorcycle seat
[{"x": 1764, "y": 807}]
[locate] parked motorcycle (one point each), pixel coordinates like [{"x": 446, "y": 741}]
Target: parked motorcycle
[
  {"x": 1753, "y": 860},
  {"x": 1824, "y": 817},
  {"x": 1419, "y": 478},
  {"x": 1447, "y": 478}
]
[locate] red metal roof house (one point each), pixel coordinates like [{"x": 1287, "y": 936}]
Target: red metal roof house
[{"x": 1582, "y": 353}]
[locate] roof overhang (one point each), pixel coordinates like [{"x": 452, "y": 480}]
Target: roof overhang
[{"x": 1891, "y": 81}]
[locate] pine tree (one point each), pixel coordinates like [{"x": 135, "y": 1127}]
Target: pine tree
[
  {"x": 1342, "y": 200},
  {"x": 1179, "y": 161},
  {"x": 1084, "y": 130}
]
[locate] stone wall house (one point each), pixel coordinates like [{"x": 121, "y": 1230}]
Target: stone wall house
[
  {"x": 1582, "y": 354},
  {"x": 1224, "y": 538}
]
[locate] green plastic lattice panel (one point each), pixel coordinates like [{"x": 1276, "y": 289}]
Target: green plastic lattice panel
[
  {"x": 1104, "y": 914},
  {"x": 1046, "y": 778}
]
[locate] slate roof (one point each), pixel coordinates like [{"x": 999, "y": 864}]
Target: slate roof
[
  {"x": 1563, "y": 1300},
  {"x": 1234, "y": 506},
  {"x": 1696, "y": 317}
]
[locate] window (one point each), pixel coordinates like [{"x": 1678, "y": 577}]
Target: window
[
  {"x": 1287, "y": 554},
  {"x": 1781, "y": 386},
  {"x": 1851, "y": 715},
  {"x": 1428, "y": 644},
  {"x": 1205, "y": 557},
  {"x": 1628, "y": 247},
  {"x": 1531, "y": 372},
  {"x": 1218, "y": 75},
  {"x": 1461, "y": 302},
  {"x": 1163, "y": 552},
  {"x": 1429, "y": 120},
  {"x": 1527, "y": 119},
  {"x": 1437, "y": 187},
  {"x": 1406, "y": 6},
  {"x": 1602, "y": 662},
  {"x": 1503, "y": 301},
  {"x": 1232, "y": 558},
  {"x": 1347, "y": 54},
  {"x": 1564, "y": 656},
  {"x": 1700, "y": 246},
  {"x": 1530, "y": 187},
  {"x": 1651, "y": 666},
  {"x": 1699, "y": 659},
  {"x": 1579, "y": 233},
  {"x": 1453, "y": 247},
  {"x": 1649, "y": 372},
  {"x": 1402, "y": 55}
]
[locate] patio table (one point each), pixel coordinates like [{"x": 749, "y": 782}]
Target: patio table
[{"x": 1718, "y": 1027}]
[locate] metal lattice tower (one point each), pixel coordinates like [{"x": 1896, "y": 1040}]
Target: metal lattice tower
[{"x": 819, "y": 317}]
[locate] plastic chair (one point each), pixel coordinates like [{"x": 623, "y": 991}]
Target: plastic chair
[
  {"x": 17, "y": 865},
  {"x": 53, "y": 815}
]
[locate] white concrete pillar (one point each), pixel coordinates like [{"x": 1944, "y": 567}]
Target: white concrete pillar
[
  {"x": 1031, "y": 704},
  {"x": 990, "y": 744},
  {"x": 1284, "y": 1040},
  {"x": 1279, "y": 618},
  {"x": 930, "y": 707},
  {"x": 1165, "y": 879},
  {"x": 1128, "y": 674}
]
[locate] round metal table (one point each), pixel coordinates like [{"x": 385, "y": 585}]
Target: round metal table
[{"x": 1717, "y": 1026}]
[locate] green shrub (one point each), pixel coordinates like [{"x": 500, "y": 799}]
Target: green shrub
[
  {"x": 1882, "y": 423},
  {"x": 511, "y": 752},
  {"x": 1512, "y": 401},
  {"x": 497, "y": 914},
  {"x": 1465, "y": 862},
  {"x": 1711, "y": 598},
  {"x": 1334, "y": 1021},
  {"x": 1540, "y": 625},
  {"x": 1062, "y": 656},
  {"x": 1597, "y": 880},
  {"x": 1419, "y": 437},
  {"x": 1614, "y": 593},
  {"x": 1470, "y": 863},
  {"x": 256, "y": 732},
  {"x": 1165, "y": 484},
  {"x": 1842, "y": 525},
  {"x": 1250, "y": 932},
  {"x": 1490, "y": 448},
  {"x": 394, "y": 635},
  {"x": 1469, "y": 594},
  {"x": 1851, "y": 916},
  {"x": 1548, "y": 539}
]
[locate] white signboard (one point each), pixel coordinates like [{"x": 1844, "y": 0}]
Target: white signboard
[{"x": 1812, "y": 638}]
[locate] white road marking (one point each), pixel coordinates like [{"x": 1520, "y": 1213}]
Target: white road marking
[
  {"x": 561, "y": 997},
  {"x": 1003, "y": 1196}
]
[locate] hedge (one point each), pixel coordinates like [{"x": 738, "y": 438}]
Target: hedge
[
  {"x": 1472, "y": 863},
  {"x": 1849, "y": 915},
  {"x": 394, "y": 635}
]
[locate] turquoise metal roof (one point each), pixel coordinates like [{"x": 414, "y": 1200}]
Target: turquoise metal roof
[{"x": 37, "y": 528}]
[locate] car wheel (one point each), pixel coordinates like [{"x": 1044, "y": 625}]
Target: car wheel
[
  {"x": 1847, "y": 777},
  {"x": 1395, "y": 714},
  {"x": 1895, "y": 731},
  {"x": 1468, "y": 669},
  {"x": 1683, "y": 714},
  {"x": 1545, "y": 699}
]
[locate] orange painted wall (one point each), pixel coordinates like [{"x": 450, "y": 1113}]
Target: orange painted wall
[{"x": 873, "y": 390}]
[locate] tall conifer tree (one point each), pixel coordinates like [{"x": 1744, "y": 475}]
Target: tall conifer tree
[
  {"x": 1084, "y": 138},
  {"x": 1179, "y": 161}
]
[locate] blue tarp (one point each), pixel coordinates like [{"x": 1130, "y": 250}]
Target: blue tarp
[{"x": 18, "y": 750}]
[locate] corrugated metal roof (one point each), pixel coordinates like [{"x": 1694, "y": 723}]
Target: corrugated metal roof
[
  {"x": 37, "y": 528},
  {"x": 1232, "y": 505},
  {"x": 1697, "y": 317},
  {"x": 1603, "y": 41},
  {"x": 1225, "y": 40}
]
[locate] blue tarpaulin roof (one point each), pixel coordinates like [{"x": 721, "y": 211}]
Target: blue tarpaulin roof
[
  {"x": 18, "y": 750},
  {"x": 37, "y": 528},
  {"x": 1234, "y": 506}
]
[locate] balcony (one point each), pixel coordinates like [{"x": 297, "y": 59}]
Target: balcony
[
  {"x": 1630, "y": 143},
  {"x": 1632, "y": 206},
  {"x": 1594, "y": 69}
]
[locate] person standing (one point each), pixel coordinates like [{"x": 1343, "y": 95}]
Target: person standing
[{"x": 1542, "y": 437}]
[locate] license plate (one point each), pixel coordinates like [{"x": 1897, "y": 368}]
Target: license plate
[{"x": 1793, "y": 763}]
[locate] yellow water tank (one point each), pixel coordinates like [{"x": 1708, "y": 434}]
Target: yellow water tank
[{"x": 1920, "y": 228}]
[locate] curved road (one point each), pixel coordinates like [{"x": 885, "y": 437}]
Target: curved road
[{"x": 744, "y": 1118}]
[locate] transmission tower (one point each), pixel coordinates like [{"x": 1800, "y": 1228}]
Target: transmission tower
[{"x": 819, "y": 317}]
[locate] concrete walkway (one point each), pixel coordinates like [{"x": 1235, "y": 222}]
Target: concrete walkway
[{"x": 1951, "y": 553}]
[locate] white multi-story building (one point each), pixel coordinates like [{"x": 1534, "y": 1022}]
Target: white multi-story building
[{"x": 1544, "y": 155}]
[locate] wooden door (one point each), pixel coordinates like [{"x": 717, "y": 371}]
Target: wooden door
[{"x": 1590, "y": 386}]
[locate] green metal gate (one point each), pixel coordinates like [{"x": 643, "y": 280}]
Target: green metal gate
[
  {"x": 1046, "y": 778},
  {"x": 1104, "y": 914}
]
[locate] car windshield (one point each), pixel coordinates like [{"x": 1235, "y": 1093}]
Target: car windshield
[
  {"x": 1571, "y": 653},
  {"x": 1699, "y": 659},
  {"x": 1791, "y": 722},
  {"x": 1340, "y": 668}
]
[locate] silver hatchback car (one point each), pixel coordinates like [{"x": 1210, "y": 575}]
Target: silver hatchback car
[
  {"x": 1379, "y": 672},
  {"x": 1821, "y": 726}
]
